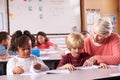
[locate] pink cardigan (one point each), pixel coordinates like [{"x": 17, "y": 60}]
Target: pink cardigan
[{"x": 108, "y": 53}]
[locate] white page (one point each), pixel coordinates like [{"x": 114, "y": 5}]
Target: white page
[
  {"x": 87, "y": 67},
  {"x": 58, "y": 72},
  {"x": 48, "y": 72},
  {"x": 33, "y": 73},
  {"x": 93, "y": 67},
  {"x": 112, "y": 66}
]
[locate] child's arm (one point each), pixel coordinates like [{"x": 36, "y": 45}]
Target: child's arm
[
  {"x": 68, "y": 66},
  {"x": 55, "y": 46},
  {"x": 44, "y": 67},
  {"x": 39, "y": 65},
  {"x": 12, "y": 68}
]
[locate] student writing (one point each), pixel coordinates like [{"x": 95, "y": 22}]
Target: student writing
[{"x": 24, "y": 61}]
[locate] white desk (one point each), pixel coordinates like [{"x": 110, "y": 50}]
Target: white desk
[
  {"x": 74, "y": 75},
  {"x": 50, "y": 55}
]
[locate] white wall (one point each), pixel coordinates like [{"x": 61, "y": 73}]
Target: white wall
[{"x": 3, "y": 16}]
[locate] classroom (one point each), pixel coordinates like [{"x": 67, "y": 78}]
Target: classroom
[{"x": 60, "y": 39}]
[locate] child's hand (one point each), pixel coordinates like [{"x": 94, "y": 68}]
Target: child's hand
[
  {"x": 37, "y": 66},
  {"x": 18, "y": 70},
  {"x": 55, "y": 46},
  {"x": 103, "y": 65},
  {"x": 70, "y": 67}
]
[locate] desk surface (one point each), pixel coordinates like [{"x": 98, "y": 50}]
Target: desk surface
[
  {"x": 53, "y": 56},
  {"x": 50, "y": 55},
  {"x": 74, "y": 75}
]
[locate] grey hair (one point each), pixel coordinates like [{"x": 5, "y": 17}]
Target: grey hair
[{"x": 103, "y": 26}]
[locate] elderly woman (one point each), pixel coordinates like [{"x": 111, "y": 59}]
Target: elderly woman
[{"x": 103, "y": 45}]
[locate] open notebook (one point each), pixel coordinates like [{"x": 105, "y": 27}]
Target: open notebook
[
  {"x": 49, "y": 72},
  {"x": 58, "y": 72},
  {"x": 93, "y": 67}
]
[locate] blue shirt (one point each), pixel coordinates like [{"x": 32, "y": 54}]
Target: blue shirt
[{"x": 2, "y": 50}]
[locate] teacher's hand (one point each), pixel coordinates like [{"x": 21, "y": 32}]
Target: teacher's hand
[{"x": 90, "y": 61}]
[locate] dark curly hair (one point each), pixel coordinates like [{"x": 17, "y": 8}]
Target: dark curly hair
[
  {"x": 3, "y": 36},
  {"x": 18, "y": 39}
]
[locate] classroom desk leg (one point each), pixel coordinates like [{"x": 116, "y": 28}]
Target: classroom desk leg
[{"x": 3, "y": 66}]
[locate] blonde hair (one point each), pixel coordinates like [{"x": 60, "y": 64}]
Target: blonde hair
[
  {"x": 103, "y": 26},
  {"x": 74, "y": 40}
]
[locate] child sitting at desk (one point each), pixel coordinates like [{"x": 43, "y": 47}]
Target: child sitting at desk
[
  {"x": 4, "y": 43},
  {"x": 75, "y": 58},
  {"x": 24, "y": 62},
  {"x": 43, "y": 42}
]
